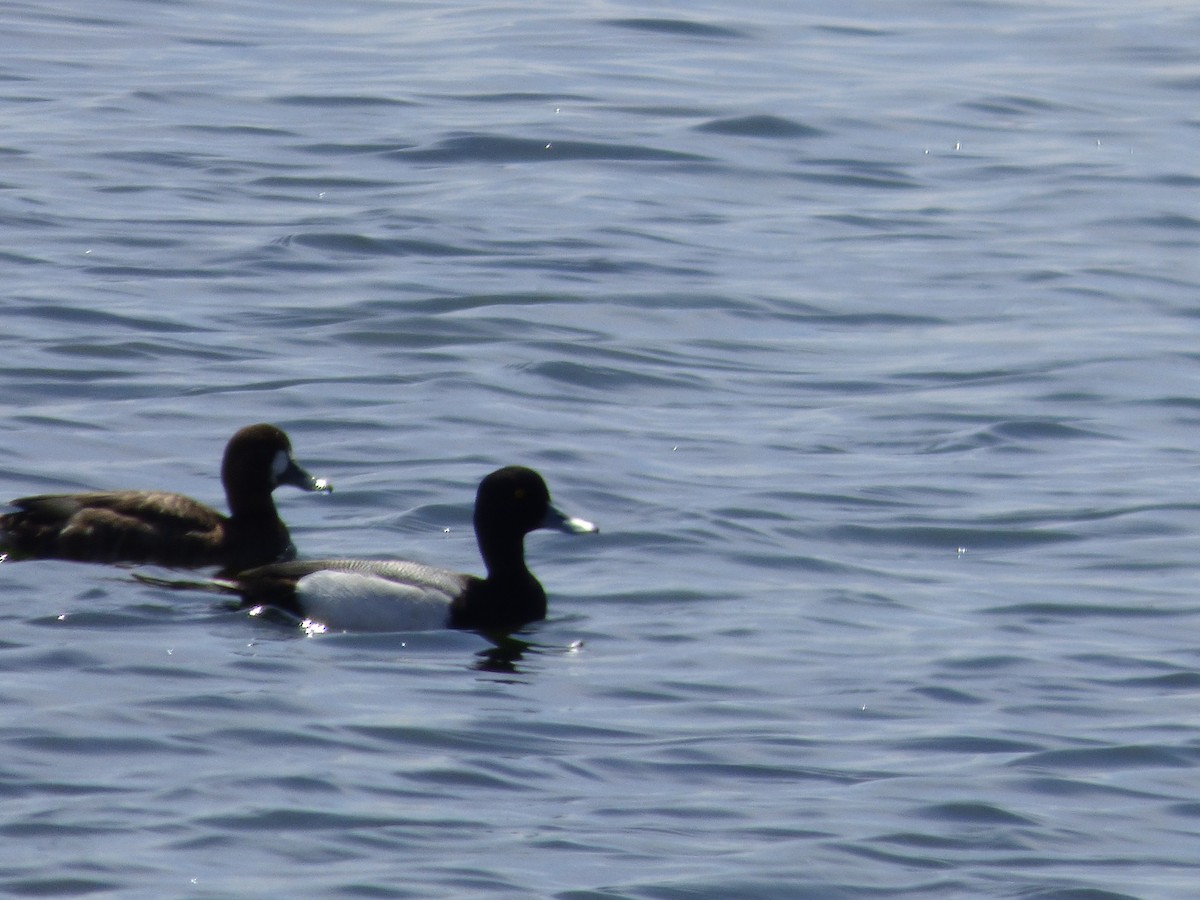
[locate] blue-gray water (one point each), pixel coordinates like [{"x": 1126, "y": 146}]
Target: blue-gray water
[{"x": 867, "y": 334}]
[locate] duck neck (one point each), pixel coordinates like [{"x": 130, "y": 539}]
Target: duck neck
[
  {"x": 246, "y": 502},
  {"x": 504, "y": 557}
]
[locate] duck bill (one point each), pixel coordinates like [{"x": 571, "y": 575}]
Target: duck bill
[
  {"x": 558, "y": 521},
  {"x": 297, "y": 477}
]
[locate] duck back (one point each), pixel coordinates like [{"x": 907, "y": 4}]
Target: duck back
[{"x": 133, "y": 526}]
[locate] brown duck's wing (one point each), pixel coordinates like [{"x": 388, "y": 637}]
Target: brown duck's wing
[{"x": 116, "y": 526}]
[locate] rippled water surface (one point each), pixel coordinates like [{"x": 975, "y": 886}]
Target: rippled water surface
[{"x": 867, "y": 334}]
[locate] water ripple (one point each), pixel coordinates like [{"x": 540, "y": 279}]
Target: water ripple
[
  {"x": 491, "y": 148},
  {"x": 760, "y": 126},
  {"x": 677, "y": 27}
]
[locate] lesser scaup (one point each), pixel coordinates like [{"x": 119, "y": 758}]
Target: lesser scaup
[
  {"x": 170, "y": 529},
  {"x": 378, "y": 595}
]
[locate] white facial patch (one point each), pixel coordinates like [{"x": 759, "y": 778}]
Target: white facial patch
[{"x": 280, "y": 464}]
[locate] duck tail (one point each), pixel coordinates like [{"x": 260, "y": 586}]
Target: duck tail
[{"x": 212, "y": 585}]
